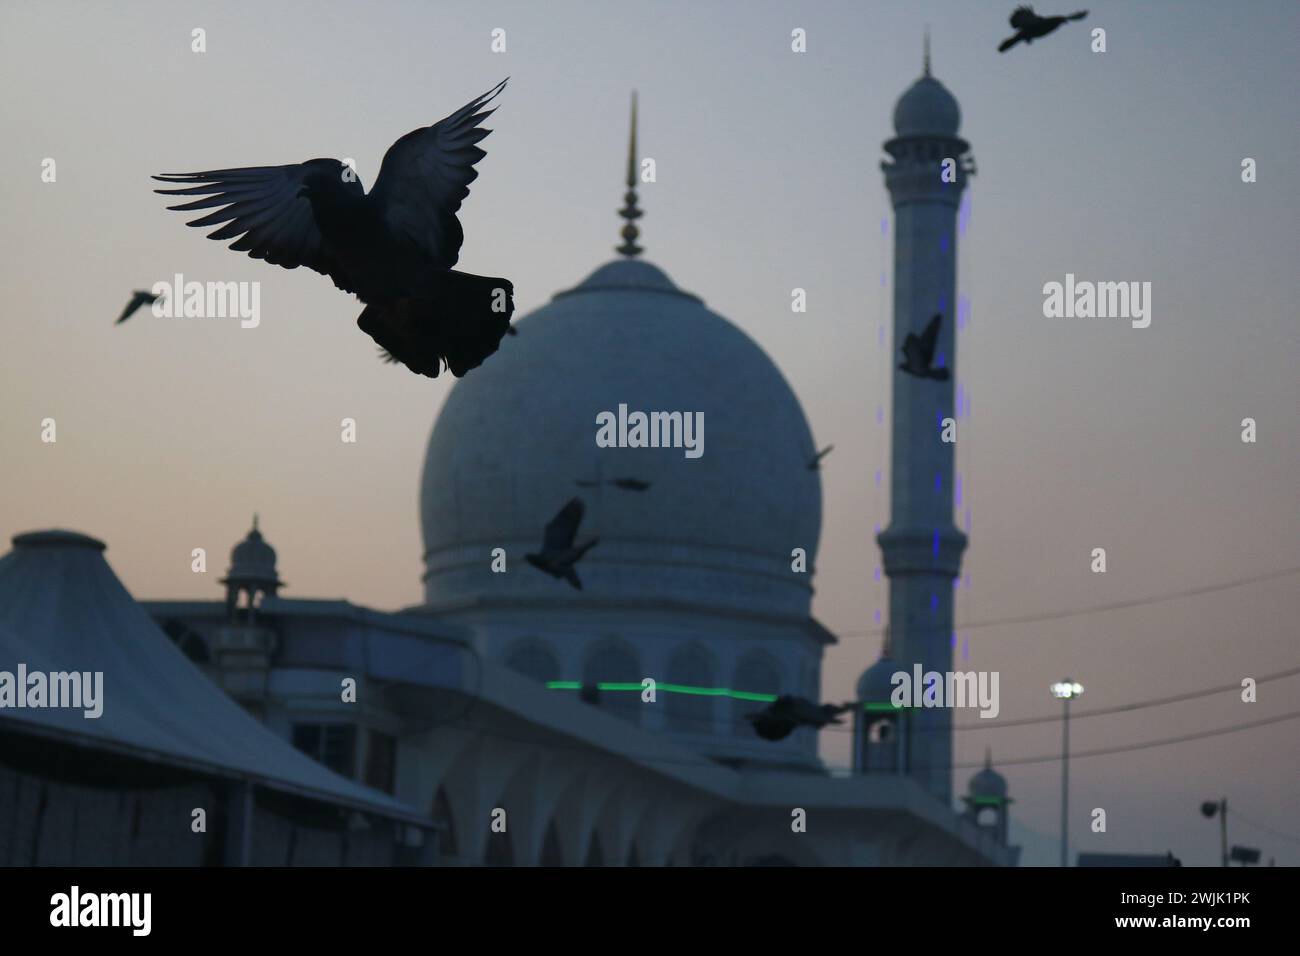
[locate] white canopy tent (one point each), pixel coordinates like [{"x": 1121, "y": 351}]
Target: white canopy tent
[{"x": 63, "y": 609}]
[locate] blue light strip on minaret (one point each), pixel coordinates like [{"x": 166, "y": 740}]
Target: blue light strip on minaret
[{"x": 922, "y": 547}]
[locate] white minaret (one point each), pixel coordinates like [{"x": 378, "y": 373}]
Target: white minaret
[{"x": 922, "y": 548}]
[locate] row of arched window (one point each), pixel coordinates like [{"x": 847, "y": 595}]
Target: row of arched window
[
  {"x": 500, "y": 849},
  {"x": 690, "y": 666}
]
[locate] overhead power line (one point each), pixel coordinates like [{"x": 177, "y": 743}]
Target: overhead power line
[
  {"x": 1137, "y": 705},
  {"x": 980, "y": 725},
  {"x": 1147, "y": 745},
  {"x": 1237, "y": 815},
  {"x": 1094, "y": 609},
  {"x": 1043, "y": 758}
]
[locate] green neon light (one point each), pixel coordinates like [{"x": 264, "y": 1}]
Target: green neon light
[
  {"x": 986, "y": 801},
  {"x": 669, "y": 688}
]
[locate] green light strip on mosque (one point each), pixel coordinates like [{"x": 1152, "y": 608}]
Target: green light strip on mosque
[
  {"x": 884, "y": 707},
  {"x": 670, "y": 688}
]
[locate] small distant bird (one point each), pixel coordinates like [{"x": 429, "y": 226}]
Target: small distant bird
[
  {"x": 138, "y": 299},
  {"x": 1030, "y": 26},
  {"x": 626, "y": 484},
  {"x": 559, "y": 554},
  {"x": 918, "y": 353},
  {"x": 395, "y": 247},
  {"x": 787, "y": 713},
  {"x": 815, "y": 462},
  {"x": 630, "y": 484}
]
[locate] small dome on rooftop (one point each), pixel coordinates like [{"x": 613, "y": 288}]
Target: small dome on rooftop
[
  {"x": 988, "y": 783},
  {"x": 252, "y": 560},
  {"x": 875, "y": 685}
]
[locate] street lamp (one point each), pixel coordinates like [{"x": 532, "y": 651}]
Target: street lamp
[
  {"x": 1208, "y": 809},
  {"x": 1066, "y": 691}
]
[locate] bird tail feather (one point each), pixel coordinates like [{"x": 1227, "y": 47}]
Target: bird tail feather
[{"x": 458, "y": 320}]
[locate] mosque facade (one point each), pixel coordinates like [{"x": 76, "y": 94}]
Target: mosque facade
[{"x": 515, "y": 710}]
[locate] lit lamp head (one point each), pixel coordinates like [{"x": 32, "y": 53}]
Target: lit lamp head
[{"x": 1067, "y": 690}]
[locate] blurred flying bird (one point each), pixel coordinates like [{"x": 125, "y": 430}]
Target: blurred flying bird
[
  {"x": 394, "y": 247},
  {"x": 630, "y": 484},
  {"x": 558, "y": 554},
  {"x": 138, "y": 299},
  {"x": 787, "y": 713},
  {"x": 627, "y": 484},
  {"x": 918, "y": 353},
  {"x": 815, "y": 463},
  {"x": 1030, "y": 26}
]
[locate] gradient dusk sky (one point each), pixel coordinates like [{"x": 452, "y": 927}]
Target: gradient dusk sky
[{"x": 1083, "y": 433}]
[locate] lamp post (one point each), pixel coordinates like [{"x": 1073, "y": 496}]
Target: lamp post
[
  {"x": 1209, "y": 808},
  {"x": 1065, "y": 691}
]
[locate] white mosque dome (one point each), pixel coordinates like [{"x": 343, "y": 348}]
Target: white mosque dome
[
  {"x": 927, "y": 109},
  {"x": 517, "y": 433}
]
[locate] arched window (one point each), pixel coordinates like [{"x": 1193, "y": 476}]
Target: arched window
[
  {"x": 551, "y": 855},
  {"x": 756, "y": 673},
  {"x": 595, "y": 854},
  {"x": 442, "y": 815},
  {"x": 191, "y": 643},
  {"x": 690, "y": 713},
  {"x": 533, "y": 658},
  {"x": 613, "y": 663},
  {"x": 499, "y": 851}
]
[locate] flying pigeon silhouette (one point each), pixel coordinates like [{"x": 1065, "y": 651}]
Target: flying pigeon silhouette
[
  {"x": 787, "y": 713},
  {"x": 394, "y": 247},
  {"x": 1030, "y": 26},
  {"x": 626, "y": 484},
  {"x": 918, "y": 353},
  {"x": 559, "y": 555},
  {"x": 815, "y": 462},
  {"x": 138, "y": 299},
  {"x": 630, "y": 484}
]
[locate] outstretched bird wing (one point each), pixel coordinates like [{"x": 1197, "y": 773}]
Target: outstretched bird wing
[
  {"x": 261, "y": 206},
  {"x": 137, "y": 300},
  {"x": 818, "y": 456},
  {"x": 930, "y": 338},
  {"x": 425, "y": 176},
  {"x": 563, "y": 528}
]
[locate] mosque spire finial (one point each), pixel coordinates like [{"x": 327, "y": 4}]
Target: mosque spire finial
[
  {"x": 254, "y": 520},
  {"x": 927, "y": 49},
  {"x": 630, "y": 212}
]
